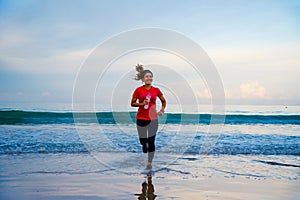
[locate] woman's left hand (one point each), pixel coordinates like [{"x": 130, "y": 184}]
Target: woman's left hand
[{"x": 160, "y": 113}]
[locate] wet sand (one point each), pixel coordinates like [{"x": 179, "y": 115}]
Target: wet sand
[
  {"x": 109, "y": 186},
  {"x": 80, "y": 176}
]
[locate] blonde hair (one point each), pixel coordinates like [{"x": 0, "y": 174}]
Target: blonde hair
[{"x": 141, "y": 72}]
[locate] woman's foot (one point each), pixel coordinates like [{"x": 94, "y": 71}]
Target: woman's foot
[
  {"x": 147, "y": 170},
  {"x": 149, "y": 166}
]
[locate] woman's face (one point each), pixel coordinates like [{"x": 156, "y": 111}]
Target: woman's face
[{"x": 147, "y": 78}]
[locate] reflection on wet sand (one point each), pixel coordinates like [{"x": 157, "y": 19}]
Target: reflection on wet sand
[{"x": 147, "y": 190}]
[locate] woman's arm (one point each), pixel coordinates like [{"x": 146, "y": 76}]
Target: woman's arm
[
  {"x": 163, "y": 105},
  {"x": 135, "y": 104}
]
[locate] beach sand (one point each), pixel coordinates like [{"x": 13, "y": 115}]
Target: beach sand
[
  {"x": 100, "y": 186},
  {"x": 69, "y": 176}
]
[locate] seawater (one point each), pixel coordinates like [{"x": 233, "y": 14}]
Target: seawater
[{"x": 269, "y": 138}]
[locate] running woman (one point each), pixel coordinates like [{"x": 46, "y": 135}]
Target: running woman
[{"x": 147, "y": 116}]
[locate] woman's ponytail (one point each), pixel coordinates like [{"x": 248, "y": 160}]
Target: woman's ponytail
[
  {"x": 139, "y": 69},
  {"x": 141, "y": 72}
]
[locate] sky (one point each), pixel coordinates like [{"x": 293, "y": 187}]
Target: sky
[{"x": 255, "y": 45}]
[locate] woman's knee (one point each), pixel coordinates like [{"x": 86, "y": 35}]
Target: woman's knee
[
  {"x": 143, "y": 141},
  {"x": 151, "y": 148},
  {"x": 151, "y": 143}
]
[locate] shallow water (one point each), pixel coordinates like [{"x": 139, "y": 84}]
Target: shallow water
[
  {"x": 188, "y": 166},
  {"x": 251, "y": 144},
  {"x": 179, "y": 139}
]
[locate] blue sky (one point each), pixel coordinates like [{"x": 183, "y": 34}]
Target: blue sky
[{"x": 255, "y": 45}]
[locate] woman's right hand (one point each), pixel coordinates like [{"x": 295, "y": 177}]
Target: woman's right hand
[{"x": 145, "y": 102}]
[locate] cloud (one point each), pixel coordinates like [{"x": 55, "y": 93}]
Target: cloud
[
  {"x": 12, "y": 39},
  {"x": 252, "y": 90},
  {"x": 204, "y": 94},
  {"x": 273, "y": 57},
  {"x": 20, "y": 94},
  {"x": 58, "y": 62},
  {"x": 229, "y": 94},
  {"x": 46, "y": 94}
]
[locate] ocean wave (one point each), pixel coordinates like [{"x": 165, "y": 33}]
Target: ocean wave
[
  {"x": 238, "y": 144},
  {"x": 32, "y": 117}
]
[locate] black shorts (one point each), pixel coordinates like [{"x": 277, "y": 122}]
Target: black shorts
[{"x": 147, "y": 126}]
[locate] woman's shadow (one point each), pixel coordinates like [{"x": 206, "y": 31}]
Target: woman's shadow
[{"x": 147, "y": 190}]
